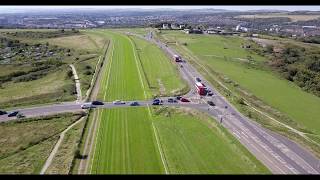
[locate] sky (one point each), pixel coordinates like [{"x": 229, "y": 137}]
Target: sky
[{"x": 240, "y": 8}]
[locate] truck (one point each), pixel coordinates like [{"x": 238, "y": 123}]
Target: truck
[
  {"x": 177, "y": 58},
  {"x": 201, "y": 89}
]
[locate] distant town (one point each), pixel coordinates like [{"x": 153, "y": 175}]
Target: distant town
[{"x": 210, "y": 21}]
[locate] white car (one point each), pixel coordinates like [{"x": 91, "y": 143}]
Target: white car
[
  {"x": 86, "y": 105},
  {"x": 118, "y": 102}
]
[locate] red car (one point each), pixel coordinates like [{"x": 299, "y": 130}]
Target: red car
[{"x": 184, "y": 100}]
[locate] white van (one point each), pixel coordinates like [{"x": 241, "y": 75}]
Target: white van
[{"x": 86, "y": 105}]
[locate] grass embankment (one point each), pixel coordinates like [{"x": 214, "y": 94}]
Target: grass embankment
[
  {"x": 127, "y": 138},
  {"x": 26, "y": 144},
  {"x": 62, "y": 161},
  {"x": 261, "y": 87}
]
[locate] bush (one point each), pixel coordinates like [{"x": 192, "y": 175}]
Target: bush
[{"x": 88, "y": 72}]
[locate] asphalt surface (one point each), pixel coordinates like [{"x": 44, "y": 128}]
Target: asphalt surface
[{"x": 279, "y": 154}]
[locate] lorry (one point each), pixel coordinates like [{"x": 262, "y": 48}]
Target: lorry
[{"x": 201, "y": 89}]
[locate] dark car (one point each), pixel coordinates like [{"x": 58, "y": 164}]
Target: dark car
[
  {"x": 178, "y": 97},
  {"x": 97, "y": 103},
  {"x": 12, "y": 114},
  {"x": 198, "y": 79},
  {"x": 3, "y": 112},
  {"x": 211, "y": 103},
  {"x": 171, "y": 100},
  {"x": 156, "y": 102},
  {"x": 184, "y": 100},
  {"x": 210, "y": 93},
  {"x": 134, "y": 103}
]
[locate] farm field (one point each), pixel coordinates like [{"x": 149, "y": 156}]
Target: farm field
[
  {"x": 134, "y": 140},
  {"x": 302, "y": 107}
]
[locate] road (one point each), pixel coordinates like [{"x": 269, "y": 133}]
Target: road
[
  {"x": 77, "y": 81},
  {"x": 279, "y": 154}
]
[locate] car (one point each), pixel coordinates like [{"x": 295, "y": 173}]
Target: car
[
  {"x": 20, "y": 115},
  {"x": 86, "y": 106},
  {"x": 211, "y": 103},
  {"x": 3, "y": 112},
  {"x": 198, "y": 79},
  {"x": 178, "y": 97},
  {"x": 156, "y": 102},
  {"x": 184, "y": 100},
  {"x": 12, "y": 114},
  {"x": 118, "y": 102},
  {"x": 171, "y": 100},
  {"x": 97, "y": 103},
  {"x": 210, "y": 93},
  {"x": 135, "y": 103}
]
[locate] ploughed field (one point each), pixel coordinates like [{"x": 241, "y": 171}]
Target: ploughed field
[{"x": 155, "y": 140}]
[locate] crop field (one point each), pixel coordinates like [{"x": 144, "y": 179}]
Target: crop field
[
  {"x": 135, "y": 140},
  {"x": 279, "y": 93}
]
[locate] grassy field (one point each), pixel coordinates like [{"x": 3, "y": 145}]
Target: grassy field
[
  {"x": 85, "y": 49},
  {"x": 62, "y": 161},
  {"x": 160, "y": 72},
  {"x": 195, "y": 143},
  {"x": 26, "y": 144},
  {"x": 55, "y": 87},
  {"x": 280, "y": 94},
  {"x": 126, "y": 143},
  {"x": 127, "y": 139}
]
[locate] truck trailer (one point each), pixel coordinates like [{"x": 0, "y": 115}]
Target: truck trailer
[{"x": 201, "y": 89}]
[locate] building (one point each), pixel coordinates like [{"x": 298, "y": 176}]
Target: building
[{"x": 165, "y": 26}]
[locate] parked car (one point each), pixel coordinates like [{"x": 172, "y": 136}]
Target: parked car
[
  {"x": 12, "y": 114},
  {"x": 171, "y": 100},
  {"x": 211, "y": 103},
  {"x": 97, "y": 103},
  {"x": 184, "y": 100},
  {"x": 118, "y": 102},
  {"x": 3, "y": 112},
  {"x": 86, "y": 106},
  {"x": 135, "y": 103},
  {"x": 198, "y": 79},
  {"x": 178, "y": 97}
]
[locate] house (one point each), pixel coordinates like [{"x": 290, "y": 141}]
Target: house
[{"x": 165, "y": 26}]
